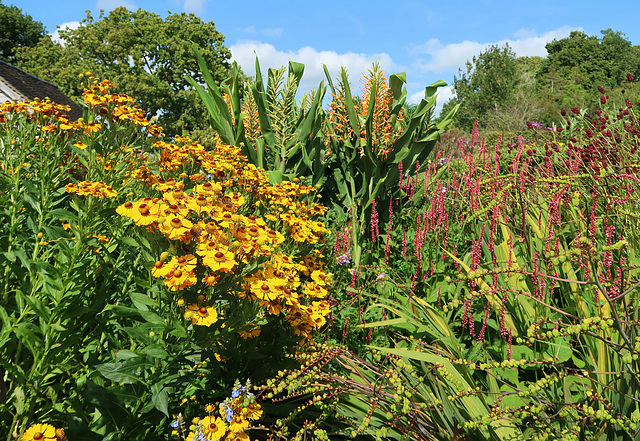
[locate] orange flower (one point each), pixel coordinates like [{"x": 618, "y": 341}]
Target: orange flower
[
  {"x": 251, "y": 333},
  {"x": 179, "y": 279}
]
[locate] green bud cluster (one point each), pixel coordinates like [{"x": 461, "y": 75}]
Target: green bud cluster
[
  {"x": 507, "y": 364},
  {"x": 490, "y": 205},
  {"x": 589, "y": 324},
  {"x": 449, "y": 377},
  {"x": 464, "y": 393},
  {"x": 454, "y": 304},
  {"x": 616, "y": 246},
  {"x": 628, "y": 424},
  {"x": 542, "y": 384},
  {"x": 562, "y": 258}
]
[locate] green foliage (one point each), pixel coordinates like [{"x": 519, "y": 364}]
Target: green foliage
[
  {"x": 18, "y": 30},
  {"x": 144, "y": 55},
  {"x": 81, "y": 338},
  {"x": 589, "y": 61},
  {"x": 510, "y": 273},
  {"x": 357, "y": 151},
  {"x": 375, "y": 145},
  {"x": 503, "y": 92},
  {"x": 275, "y": 131},
  {"x": 489, "y": 83}
]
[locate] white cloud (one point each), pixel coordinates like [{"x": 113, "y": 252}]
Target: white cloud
[
  {"x": 245, "y": 52},
  {"x": 68, "y": 25},
  {"x": 110, "y": 5},
  {"x": 448, "y": 57},
  {"x": 194, "y": 6},
  {"x": 444, "y": 94},
  {"x": 270, "y": 32}
]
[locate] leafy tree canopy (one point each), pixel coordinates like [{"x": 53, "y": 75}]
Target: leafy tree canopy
[
  {"x": 503, "y": 92},
  {"x": 588, "y": 61},
  {"x": 18, "y": 30},
  {"x": 489, "y": 81},
  {"x": 144, "y": 55}
]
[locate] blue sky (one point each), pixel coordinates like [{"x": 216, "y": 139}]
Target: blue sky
[{"x": 426, "y": 39}]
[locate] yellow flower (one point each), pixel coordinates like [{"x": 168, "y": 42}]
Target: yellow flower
[
  {"x": 252, "y": 412},
  {"x": 241, "y": 436},
  {"x": 208, "y": 188},
  {"x": 175, "y": 227},
  {"x": 202, "y": 315},
  {"x": 146, "y": 213},
  {"x": 126, "y": 210},
  {"x": 40, "y": 432},
  {"x": 219, "y": 259},
  {"x": 213, "y": 427},
  {"x": 188, "y": 262},
  {"x": 161, "y": 269},
  {"x": 80, "y": 145},
  {"x": 238, "y": 424},
  {"x": 265, "y": 290},
  {"x": 179, "y": 279},
  {"x": 250, "y": 333}
]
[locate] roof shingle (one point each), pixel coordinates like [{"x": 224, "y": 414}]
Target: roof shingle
[{"x": 17, "y": 84}]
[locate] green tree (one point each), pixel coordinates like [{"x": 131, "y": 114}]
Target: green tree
[
  {"x": 489, "y": 83},
  {"x": 577, "y": 64},
  {"x": 144, "y": 55},
  {"x": 18, "y": 30},
  {"x": 577, "y": 59}
]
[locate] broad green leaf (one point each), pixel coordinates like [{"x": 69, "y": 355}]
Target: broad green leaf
[{"x": 160, "y": 398}]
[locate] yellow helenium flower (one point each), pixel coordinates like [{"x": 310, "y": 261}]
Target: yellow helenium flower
[
  {"x": 175, "y": 227},
  {"x": 179, "y": 279},
  {"x": 220, "y": 259},
  {"x": 126, "y": 210},
  {"x": 202, "y": 315},
  {"x": 188, "y": 262},
  {"x": 146, "y": 212},
  {"x": 321, "y": 278},
  {"x": 40, "y": 432},
  {"x": 256, "y": 234},
  {"x": 240, "y": 436},
  {"x": 208, "y": 188},
  {"x": 213, "y": 427},
  {"x": 199, "y": 204},
  {"x": 265, "y": 290},
  {"x": 275, "y": 237},
  {"x": 272, "y": 306},
  {"x": 314, "y": 290},
  {"x": 252, "y": 412},
  {"x": 238, "y": 424},
  {"x": 161, "y": 269}
]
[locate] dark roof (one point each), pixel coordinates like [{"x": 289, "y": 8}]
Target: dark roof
[{"x": 31, "y": 87}]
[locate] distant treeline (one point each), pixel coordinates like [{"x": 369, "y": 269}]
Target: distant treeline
[{"x": 502, "y": 92}]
